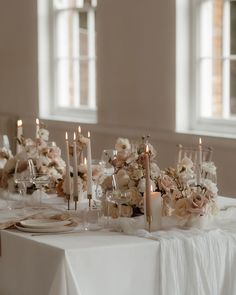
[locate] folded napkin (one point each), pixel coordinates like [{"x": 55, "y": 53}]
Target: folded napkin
[{"x": 9, "y": 218}]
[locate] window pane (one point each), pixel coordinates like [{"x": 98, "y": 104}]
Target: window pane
[
  {"x": 67, "y": 83},
  {"x": 84, "y": 82},
  {"x": 233, "y": 27},
  {"x": 233, "y": 87},
  {"x": 83, "y": 33}
]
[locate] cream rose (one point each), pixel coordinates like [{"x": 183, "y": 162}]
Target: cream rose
[{"x": 182, "y": 208}]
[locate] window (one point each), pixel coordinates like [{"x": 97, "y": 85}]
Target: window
[
  {"x": 67, "y": 59},
  {"x": 211, "y": 63}
]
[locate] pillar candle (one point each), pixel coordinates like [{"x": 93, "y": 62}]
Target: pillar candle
[
  {"x": 75, "y": 168},
  {"x": 37, "y": 129},
  {"x": 67, "y": 178},
  {"x": 148, "y": 188},
  {"x": 19, "y": 134},
  {"x": 89, "y": 167},
  {"x": 156, "y": 205}
]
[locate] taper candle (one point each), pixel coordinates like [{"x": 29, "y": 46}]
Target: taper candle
[
  {"x": 81, "y": 154},
  {"x": 75, "y": 169},
  {"x": 199, "y": 162},
  {"x": 148, "y": 188},
  {"x": 19, "y": 134},
  {"x": 37, "y": 129},
  {"x": 89, "y": 167},
  {"x": 67, "y": 179}
]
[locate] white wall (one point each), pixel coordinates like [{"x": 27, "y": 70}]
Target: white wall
[{"x": 136, "y": 79}]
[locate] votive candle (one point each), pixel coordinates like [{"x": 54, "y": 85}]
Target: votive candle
[{"x": 156, "y": 205}]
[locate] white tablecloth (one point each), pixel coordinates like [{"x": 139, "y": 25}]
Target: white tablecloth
[{"x": 179, "y": 262}]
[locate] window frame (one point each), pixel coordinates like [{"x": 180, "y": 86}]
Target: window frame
[
  {"x": 188, "y": 119},
  {"x": 48, "y": 108}
]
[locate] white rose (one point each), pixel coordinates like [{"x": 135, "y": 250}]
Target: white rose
[
  {"x": 155, "y": 170},
  {"x": 122, "y": 144},
  {"x": 136, "y": 174},
  {"x": 211, "y": 186},
  {"x": 141, "y": 185},
  {"x": 187, "y": 163},
  {"x": 44, "y": 134},
  {"x": 209, "y": 167}
]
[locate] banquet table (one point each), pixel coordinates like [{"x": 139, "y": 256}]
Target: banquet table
[{"x": 174, "y": 261}]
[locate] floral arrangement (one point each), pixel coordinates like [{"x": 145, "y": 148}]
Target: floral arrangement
[
  {"x": 129, "y": 176},
  {"x": 45, "y": 155},
  {"x": 181, "y": 197}
]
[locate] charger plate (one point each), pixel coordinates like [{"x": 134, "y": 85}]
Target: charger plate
[
  {"x": 60, "y": 229},
  {"x": 43, "y": 223}
]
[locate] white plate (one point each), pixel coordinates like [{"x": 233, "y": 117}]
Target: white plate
[
  {"x": 61, "y": 229},
  {"x": 44, "y": 223}
]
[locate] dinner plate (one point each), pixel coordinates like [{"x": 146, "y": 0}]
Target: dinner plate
[
  {"x": 61, "y": 229},
  {"x": 44, "y": 223}
]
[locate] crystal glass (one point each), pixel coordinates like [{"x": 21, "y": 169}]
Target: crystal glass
[
  {"x": 4, "y": 141},
  {"x": 92, "y": 219},
  {"x": 106, "y": 161},
  {"x": 23, "y": 175},
  {"x": 40, "y": 180}
]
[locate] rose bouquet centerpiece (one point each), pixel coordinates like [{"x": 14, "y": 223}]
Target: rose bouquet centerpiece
[
  {"x": 184, "y": 199},
  {"x": 46, "y": 157},
  {"x": 129, "y": 176}
]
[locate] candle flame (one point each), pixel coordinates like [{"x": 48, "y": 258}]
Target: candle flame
[
  {"x": 85, "y": 161},
  {"x": 79, "y": 130},
  {"x": 74, "y": 136},
  {"x": 19, "y": 123},
  {"x": 200, "y": 141},
  {"x": 88, "y": 134},
  {"x": 147, "y": 148},
  {"x": 151, "y": 188},
  {"x": 66, "y": 136},
  {"x": 37, "y": 121}
]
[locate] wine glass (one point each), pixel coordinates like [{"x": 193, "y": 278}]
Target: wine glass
[
  {"x": 23, "y": 175},
  {"x": 40, "y": 180},
  {"x": 106, "y": 161}
]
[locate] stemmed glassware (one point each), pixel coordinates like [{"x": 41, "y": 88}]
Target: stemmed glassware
[
  {"x": 40, "y": 180},
  {"x": 106, "y": 161},
  {"x": 23, "y": 175}
]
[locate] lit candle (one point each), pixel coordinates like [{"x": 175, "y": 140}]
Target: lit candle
[
  {"x": 37, "y": 129},
  {"x": 67, "y": 179},
  {"x": 180, "y": 153},
  {"x": 81, "y": 155},
  {"x": 75, "y": 169},
  {"x": 148, "y": 189},
  {"x": 89, "y": 168},
  {"x": 156, "y": 205},
  {"x": 199, "y": 162},
  {"x": 19, "y": 135}
]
